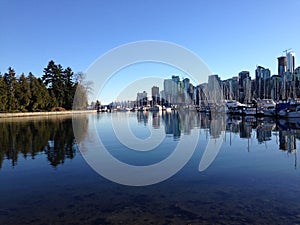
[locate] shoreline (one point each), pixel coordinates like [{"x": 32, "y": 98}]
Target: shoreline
[{"x": 56, "y": 113}]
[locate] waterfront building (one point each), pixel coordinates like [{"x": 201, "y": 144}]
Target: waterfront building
[
  {"x": 262, "y": 82},
  {"x": 163, "y": 98},
  {"x": 290, "y": 57},
  {"x": 186, "y": 91},
  {"x": 167, "y": 91},
  {"x": 214, "y": 87},
  {"x": 225, "y": 84},
  {"x": 234, "y": 87},
  {"x": 276, "y": 82},
  {"x": 155, "y": 95},
  {"x": 244, "y": 85},
  {"x": 175, "y": 89},
  {"x": 247, "y": 89},
  {"x": 172, "y": 89},
  {"x": 282, "y": 65},
  {"x": 192, "y": 93},
  {"x": 297, "y": 70},
  {"x": 201, "y": 94},
  {"x": 142, "y": 99},
  {"x": 297, "y": 81},
  {"x": 188, "y": 94}
]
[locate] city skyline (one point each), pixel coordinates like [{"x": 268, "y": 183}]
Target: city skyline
[
  {"x": 229, "y": 36},
  {"x": 259, "y": 84}
]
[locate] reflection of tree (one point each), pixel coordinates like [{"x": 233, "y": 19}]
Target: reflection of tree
[
  {"x": 54, "y": 136},
  {"x": 61, "y": 143}
]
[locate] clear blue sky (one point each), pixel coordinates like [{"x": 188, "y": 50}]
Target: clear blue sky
[{"x": 229, "y": 36}]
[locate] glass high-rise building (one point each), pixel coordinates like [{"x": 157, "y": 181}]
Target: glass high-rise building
[
  {"x": 290, "y": 58},
  {"x": 282, "y": 65}
]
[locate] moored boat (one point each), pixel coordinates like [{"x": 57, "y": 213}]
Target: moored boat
[{"x": 290, "y": 113}]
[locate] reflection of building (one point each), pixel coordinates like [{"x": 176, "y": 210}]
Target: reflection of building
[
  {"x": 187, "y": 121},
  {"x": 142, "y": 117},
  {"x": 172, "y": 124},
  {"x": 264, "y": 133},
  {"x": 155, "y": 120},
  {"x": 287, "y": 140},
  {"x": 216, "y": 127},
  {"x": 245, "y": 130}
]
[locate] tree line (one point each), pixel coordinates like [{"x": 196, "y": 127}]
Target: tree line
[{"x": 55, "y": 90}]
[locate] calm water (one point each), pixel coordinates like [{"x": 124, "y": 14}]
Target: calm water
[{"x": 254, "y": 177}]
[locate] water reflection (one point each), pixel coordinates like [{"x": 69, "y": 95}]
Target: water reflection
[
  {"x": 182, "y": 122},
  {"x": 55, "y": 138},
  {"x": 25, "y": 137},
  {"x": 143, "y": 117}
]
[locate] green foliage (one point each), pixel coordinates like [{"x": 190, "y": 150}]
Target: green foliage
[
  {"x": 40, "y": 99},
  {"x": 11, "y": 83},
  {"x": 3, "y": 94},
  {"x": 60, "y": 85},
  {"x": 56, "y": 88},
  {"x": 22, "y": 93}
]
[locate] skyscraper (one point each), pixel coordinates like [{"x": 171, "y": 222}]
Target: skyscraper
[
  {"x": 167, "y": 90},
  {"x": 155, "y": 95},
  {"x": 213, "y": 92},
  {"x": 262, "y": 81},
  {"x": 186, "y": 90},
  {"x": 282, "y": 63},
  {"x": 142, "y": 98},
  {"x": 244, "y": 85},
  {"x": 290, "y": 56}
]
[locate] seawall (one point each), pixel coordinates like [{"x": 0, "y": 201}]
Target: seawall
[{"x": 56, "y": 113}]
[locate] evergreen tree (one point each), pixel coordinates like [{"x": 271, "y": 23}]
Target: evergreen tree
[
  {"x": 56, "y": 88},
  {"x": 40, "y": 99},
  {"x": 11, "y": 82},
  {"x": 3, "y": 95},
  {"x": 60, "y": 85},
  {"x": 22, "y": 93},
  {"x": 69, "y": 88}
]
